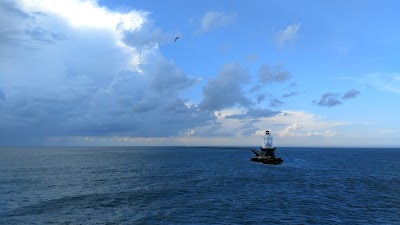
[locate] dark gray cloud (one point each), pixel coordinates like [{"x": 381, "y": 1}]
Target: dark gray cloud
[
  {"x": 226, "y": 90},
  {"x": 268, "y": 74},
  {"x": 146, "y": 102},
  {"x": 350, "y": 94},
  {"x": 293, "y": 93},
  {"x": 332, "y": 99},
  {"x": 260, "y": 98},
  {"x": 88, "y": 85},
  {"x": 256, "y": 88},
  {"x": 328, "y": 100},
  {"x": 166, "y": 78},
  {"x": 254, "y": 114},
  {"x": 132, "y": 105},
  {"x": 275, "y": 103}
]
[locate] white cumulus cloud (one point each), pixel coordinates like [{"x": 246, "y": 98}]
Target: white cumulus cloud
[
  {"x": 212, "y": 20},
  {"x": 289, "y": 35},
  {"x": 383, "y": 81},
  {"x": 87, "y": 14},
  {"x": 303, "y": 124}
]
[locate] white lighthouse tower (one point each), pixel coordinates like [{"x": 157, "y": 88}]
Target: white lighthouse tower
[{"x": 267, "y": 143}]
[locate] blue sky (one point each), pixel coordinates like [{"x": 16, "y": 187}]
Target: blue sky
[{"x": 314, "y": 73}]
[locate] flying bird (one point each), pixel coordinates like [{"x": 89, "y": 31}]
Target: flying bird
[{"x": 176, "y": 38}]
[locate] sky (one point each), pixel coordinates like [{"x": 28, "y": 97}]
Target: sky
[{"x": 87, "y": 72}]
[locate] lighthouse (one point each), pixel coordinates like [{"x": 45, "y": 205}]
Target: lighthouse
[
  {"x": 267, "y": 143},
  {"x": 266, "y": 155}
]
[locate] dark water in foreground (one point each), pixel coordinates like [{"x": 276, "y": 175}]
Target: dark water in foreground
[{"x": 168, "y": 185}]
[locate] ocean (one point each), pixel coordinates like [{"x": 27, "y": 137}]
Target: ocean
[{"x": 178, "y": 185}]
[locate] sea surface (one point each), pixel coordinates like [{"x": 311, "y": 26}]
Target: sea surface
[{"x": 178, "y": 185}]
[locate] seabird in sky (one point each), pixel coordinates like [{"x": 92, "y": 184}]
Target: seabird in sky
[{"x": 176, "y": 38}]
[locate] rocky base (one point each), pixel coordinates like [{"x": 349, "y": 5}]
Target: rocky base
[{"x": 268, "y": 160}]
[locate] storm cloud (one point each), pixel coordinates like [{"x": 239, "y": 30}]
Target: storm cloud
[
  {"x": 78, "y": 70},
  {"x": 226, "y": 90},
  {"x": 108, "y": 80}
]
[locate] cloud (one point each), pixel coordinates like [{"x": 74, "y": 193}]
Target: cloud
[
  {"x": 11, "y": 19},
  {"x": 146, "y": 35},
  {"x": 275, "y": 103},
  {"x": 213, "y": 20},
  {"x": 303, "y": 124},
  {"x": 233, "y": 123},
  {"x": 287, "y": 36},
  {"x": 260, "y": 98},
  {"x": 252, "y": 57},
  {"x": 226, "y": 90},
  {"x": 244, "y": 128},
  {"x": 76, "y": 69},
  {"x": 139, "y": 106},
  {"x": 254, "y": 114},
  {"x": 273, "y": 74},
  {"x": 293, "y": 130},
  {"x": 86, "y": 14},
  {"x": 383, "y": 81},
  {"x": 19, "y": 27},
  {"x": 290, "y": 130},
  {"x": 332, "y": 99},
  {"x": 289, "y": 95},
  {"x": 329, "y": 100},
  {"x": 42, "y": 35},
  {"x": 223, "y": 49},
  {"x": 350, "y": 94}
]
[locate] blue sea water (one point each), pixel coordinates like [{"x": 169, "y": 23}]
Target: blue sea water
[{"x": 176, "y": 185}]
